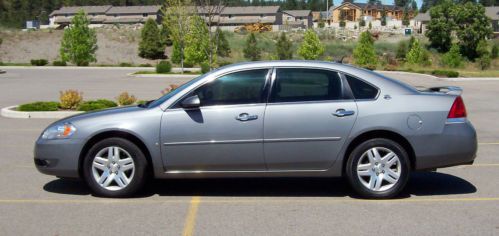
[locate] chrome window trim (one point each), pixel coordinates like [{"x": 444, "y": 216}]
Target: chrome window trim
[
  {"x": 174, "y": 104},
  {"x": 274, "y": 79},
  {"x": 237, "y": 141}
]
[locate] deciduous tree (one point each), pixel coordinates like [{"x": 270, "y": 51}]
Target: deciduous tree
[
  {"x": 79, "y": 42},
  {"x": 311, "y": 47}
]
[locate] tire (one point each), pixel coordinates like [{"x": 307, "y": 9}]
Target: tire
[
  {"x": 365, "y": 169},
  {"x": 128, "y": 172}
]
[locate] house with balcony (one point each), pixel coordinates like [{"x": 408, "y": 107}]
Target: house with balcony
[{"x": 352, "y": 11}]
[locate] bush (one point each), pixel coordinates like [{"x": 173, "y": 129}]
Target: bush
[
  {"x": 96, "y": 105},
  {"x": 145, "y": 65},
  {"x": 125, "y": 99},
  {"x": 364, "y": 54},
  {"x": 163, "y": 67},
  {"x": 495, "y": 51},
  {"x": 401, "y": 50},
  {"x": 447, "y": 73},
  {"x": 205, "y": 67},
  {"x": 70, "y": 99},
  {"x": 169, "y": 89},
  {"x": 453, "y": 57},
  {"x": 39, "y": 106},
  {"x": 59, "y": 63},
  {"x": 39, "y": 62},
  {"x": 126, "y": 64},
  {"x": 417, "y": 55}
]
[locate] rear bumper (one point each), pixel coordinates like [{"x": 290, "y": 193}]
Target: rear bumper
[
  {"x": 456, "y": 145},
  {"x": 58, "y": 157}
]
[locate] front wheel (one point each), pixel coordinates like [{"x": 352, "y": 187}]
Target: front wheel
[
  {"x": 378, "y": 168},
  {"x": 115, "y": 167}
]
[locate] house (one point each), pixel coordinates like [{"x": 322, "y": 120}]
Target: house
[
  {"x": 423, "y": 19},
  {"x": 297, "y": 18},
  {"x": 493, "y": 14},
  {"x": 133, "y": 14},
  {"x": 101, "y": 15},
  {"x": 231, "y": 18},
  {"x": 63, "y": 16},
  {"x": 352, "y": 11}
]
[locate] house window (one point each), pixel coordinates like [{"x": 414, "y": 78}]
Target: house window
[
  {"x": 230, "y": 16},
  {"x": 115, "y": 15},
  {"x": 145, "y": 15},
  {"x": 262, "y": 16},
  {"x": 301, "y": 18}
]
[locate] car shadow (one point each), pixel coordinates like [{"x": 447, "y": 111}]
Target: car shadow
[{"x": 420, "y": 184}]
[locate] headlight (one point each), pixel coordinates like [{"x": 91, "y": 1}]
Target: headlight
[{"x": 59, "y": 131}]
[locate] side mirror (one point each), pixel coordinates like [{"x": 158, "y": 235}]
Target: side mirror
[{"x": 191, "y": 102}]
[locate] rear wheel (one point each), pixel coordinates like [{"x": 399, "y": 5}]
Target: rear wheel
[
  {"x": 115, "y": 167},
  {"x": 378, "y": 168}
]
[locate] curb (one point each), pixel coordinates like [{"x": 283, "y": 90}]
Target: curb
[
  {"x": 176, "y": 76},
  {"x": 174, "y": 69},
  {"x": 9, "y": 112}
]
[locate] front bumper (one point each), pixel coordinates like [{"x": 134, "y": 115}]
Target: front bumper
[
  {"x": 456, "y": 145},
  {"x": 58, "y": 157}
]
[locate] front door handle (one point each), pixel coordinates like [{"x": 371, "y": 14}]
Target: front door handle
[
  {"x": 343, "y": 112},
  {"x": 246, "y": 117}
]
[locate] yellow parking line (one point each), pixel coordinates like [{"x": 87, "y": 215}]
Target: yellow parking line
[
  {"x": 488, "y": 143},
  {"x": 190, "y": 220}
]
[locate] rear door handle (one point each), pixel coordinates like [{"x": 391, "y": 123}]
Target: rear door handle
[
  {"x": 343, "y": 112},
  {"x": 246, "y": 117}
]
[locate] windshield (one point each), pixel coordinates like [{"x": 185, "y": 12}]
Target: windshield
[{"x": 167, "y": 96}]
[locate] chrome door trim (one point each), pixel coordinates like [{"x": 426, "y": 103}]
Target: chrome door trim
[
  {"x": 274, "y": 140},
  {"x": 280, "y": 140},
  {"x": 214, "y": 142}
]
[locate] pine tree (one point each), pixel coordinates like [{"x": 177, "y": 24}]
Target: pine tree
[
  {"x": 223, "y": 48},
  {"x": 417, "y": 54},
  {"x": 405, "y": 18},
  {"x": 364, "y": 54},
  {"x": 453, "y": 57},
  {"x": 311, "y": 47},
  {"x": 484, "y": 57},
  {"x": 283, "y": 47},
  {"x": 251, "y": 50},
  {"x": 150, "y": 45},
  {"x": 79, "y": 42}
]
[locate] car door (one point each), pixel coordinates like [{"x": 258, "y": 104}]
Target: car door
[
  {"x": 308, "y": 117},
  {"x": 225, "y": 133}
]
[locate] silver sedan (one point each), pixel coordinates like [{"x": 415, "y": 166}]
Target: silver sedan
[{"x": 267, "y": 119}]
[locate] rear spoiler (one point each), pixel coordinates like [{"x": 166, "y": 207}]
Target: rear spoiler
[{"x": 451, "y": 90}]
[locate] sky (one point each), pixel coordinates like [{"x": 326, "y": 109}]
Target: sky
[{"x": 390, "y": 2}]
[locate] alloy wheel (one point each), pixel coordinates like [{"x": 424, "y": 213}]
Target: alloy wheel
[
  {"x": 113, "y": 168},
  {"x": 379, "y": 169}
]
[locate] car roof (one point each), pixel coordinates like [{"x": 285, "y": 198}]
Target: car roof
[{"x": 381, "y": 81}]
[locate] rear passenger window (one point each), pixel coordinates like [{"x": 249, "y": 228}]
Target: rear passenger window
[
  {"x": 297, "y": 85},
  {"x": 361, "y": 89}
]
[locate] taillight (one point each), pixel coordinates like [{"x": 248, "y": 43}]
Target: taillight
[{"x": 458, "y": 110}]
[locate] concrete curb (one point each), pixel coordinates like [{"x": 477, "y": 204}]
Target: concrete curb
[
  {"x": 175, "y": 69},
  {"x": 10, "y": 112},
  {"x": 162, "y": 76},
  {"x": 464, "y": 79}
]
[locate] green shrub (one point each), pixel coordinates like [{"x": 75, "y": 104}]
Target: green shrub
[
  {"x": 447, "y": 73},
  {"x": 59, "y": 63},
  {"x": 70, "y": 99},
  {"x": 126, "y": 64},
  {"x": 453, "y": 57},
  {"x": 401, "y": 50},
  {"x": 495, "y": 51},
  {"x": 364, "y": 54},
  {"x": 39, "y": 62},
  {"x": 96, "y": 105},
  {"x": 125, "y": 99},
  {"x": 163, "y": 67},
  {"x": 145, "y": 65},
  {"x": 205, "y": 67},
  {"x": 39, "y": 106}
]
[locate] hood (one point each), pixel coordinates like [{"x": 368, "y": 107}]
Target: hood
[{"x": 100, "y": 113}]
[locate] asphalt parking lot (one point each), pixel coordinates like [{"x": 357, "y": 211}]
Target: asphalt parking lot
[{"x": 460, "y": 200}]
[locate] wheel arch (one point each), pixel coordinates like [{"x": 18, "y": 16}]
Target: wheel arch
[
  {"x": 114, "y": 134},
  {"x": 396, "y": 137}
]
